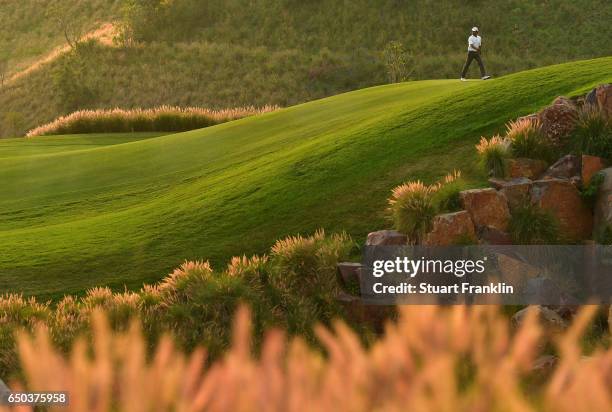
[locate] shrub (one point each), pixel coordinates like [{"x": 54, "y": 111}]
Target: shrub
[
  {"x": 439, "y": 358},
  {"x": 159, "y": 119},
  {"x": 493, "y": 154},
  {"x": 593, "y": 132},
  {"x": 303, "y": 275},
  {"x": 530, "y": 225},
  {"x": 293, "y": 288},
  {"x": 527, "y": 140}
]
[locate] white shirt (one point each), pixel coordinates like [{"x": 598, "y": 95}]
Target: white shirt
[{"x": 474, "y": 43}]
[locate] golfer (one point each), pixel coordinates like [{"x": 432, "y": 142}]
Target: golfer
[{"x": 474, "y": 44}]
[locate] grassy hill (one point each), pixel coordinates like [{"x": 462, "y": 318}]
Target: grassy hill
[
  {"x": 124, "y": 213},
  {"x": 223, "y": 53}
]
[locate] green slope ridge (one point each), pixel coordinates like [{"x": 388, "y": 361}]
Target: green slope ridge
[{"x": 128, "y": 213}]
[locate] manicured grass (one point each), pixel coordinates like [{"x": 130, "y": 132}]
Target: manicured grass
[
  {"x": 20, "y": 147},
  {"x": 128, "y": 213}
]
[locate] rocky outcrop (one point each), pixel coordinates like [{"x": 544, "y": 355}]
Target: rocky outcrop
[
  {"x": 564, "y": 168},
  {"x": 558, "y": 120},
  {"x": 450, "y": 229},
  {"x": 590, "y": 166},
  {"x": 604, "y": 98},
  {"x": 603, "y": 206},
  {"x": 487, "y": 208},
  {"x": 563, "y": 200},
  {"x": 516, "y": 190},
  {"x": 526, "y": 168},
  {"x": 491, "y": 236},
  {"x": 386, "y": 238}
]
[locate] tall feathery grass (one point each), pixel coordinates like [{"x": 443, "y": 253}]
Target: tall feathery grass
[
  {"x": 159, "y": 119},
  {"x": 413, "y": 205},
  {"x": 527, "y": 140},
  {"x": 293, "y": 287},
  {"x": 593, "y": 132},
  {"x": 493, "y": 154},
  {"x": 433, "y": 359}
]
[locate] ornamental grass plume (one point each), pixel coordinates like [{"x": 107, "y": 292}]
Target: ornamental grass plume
[
  {"x": 413, "y": 205},
  {"x": 493, "y": 153},
  {"x": 158, "y": 119},
  {"x": 432, "y": 359},
  {"x": 528, "y": 140}
]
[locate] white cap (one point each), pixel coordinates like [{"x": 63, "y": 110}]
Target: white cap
[{"x": 474, "y": 28}]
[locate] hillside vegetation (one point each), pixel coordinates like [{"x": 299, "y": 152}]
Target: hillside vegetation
[
  {"x": 222, "y": 54},
  {"x": 127, "y": 213}
]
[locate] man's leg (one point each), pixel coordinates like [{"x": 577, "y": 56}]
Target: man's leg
[
  {"x": 466, "y": 66},
  {"x": 483, "y": 72}
]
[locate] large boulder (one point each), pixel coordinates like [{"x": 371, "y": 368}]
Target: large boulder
[
  {"x": 564, "y": 168},
  {"x": 563, "y": 200},
  {"x": 516, "y": 190},
  {"x": 386, "y": 238},
  {"x": 558, "y": 120},
  {"x": 590, "y": 166},
  {"x": 603, "y": 206},
  {"x": 526, "y": 168},
  {"x": 604, "y": 98},
  {"x": 549, "y": 319},
  {"x": 487, "y": 208},
  {"x": 450, "y": 229},
  {"x": 492, "y": 236},
  {"x": 349, "y": 272}
]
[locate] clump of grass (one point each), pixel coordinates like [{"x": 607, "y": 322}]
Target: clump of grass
[
  {"x": 591, "y": 191},
  {"x": 159, "y": 119},
  {"x": 493, "y": 154},
  {"x": 413, "y": 209},
  {"x": 531, "y": 225},
  {"x": 446, "y": 197},
  {"x": 413, "y": 205},
  {"x": 294, "y": 287},
  {"x": 527, "y": 140},
  {"x": 593, "y": 132}
]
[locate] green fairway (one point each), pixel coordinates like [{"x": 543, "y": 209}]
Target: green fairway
[
  {"x": 20, "y": 147},
  {"x": 123, "y": 214}
]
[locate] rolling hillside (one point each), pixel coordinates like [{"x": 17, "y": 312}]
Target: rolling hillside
[
  {"x": 124, "y": 213},
  {"x": 228, "y": 53}
]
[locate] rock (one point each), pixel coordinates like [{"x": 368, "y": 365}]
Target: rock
[
  {"x": 530, "y": 117},
  {"x": 450, "y": 229},
  {"x": 590, "y": 166},
  {"x": 591, "y": 98},
  {"x": 516, "y": 190},
  {"x": 544, "y": 365},
  {"x": 558, "y": 121},
  {"x": 563, "y": 100},
  {"x": 527, "y": 168},
  {"x": 563, "y": 200},
  {"x": 548, "y": 318},
  {"x": 603, "y": 205},
  {"x": 564, "y": 168},
  {"x": 359, "y": 312},
  {"x": 386, "y": 238},
  {"x": 604, "y": 98},
  {"x": 487, "y": 208},
  {"x": 350, "y": 272},
  {"x": 491, "y": 236},
  {"x": 576, "y": 181},
  {"x": 514, "y": 271}
]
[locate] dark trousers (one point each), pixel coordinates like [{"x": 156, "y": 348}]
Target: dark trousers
[{"x": 472, "y": 55}]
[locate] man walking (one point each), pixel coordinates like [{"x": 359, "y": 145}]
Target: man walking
[{"x": 474, "y": 44}]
